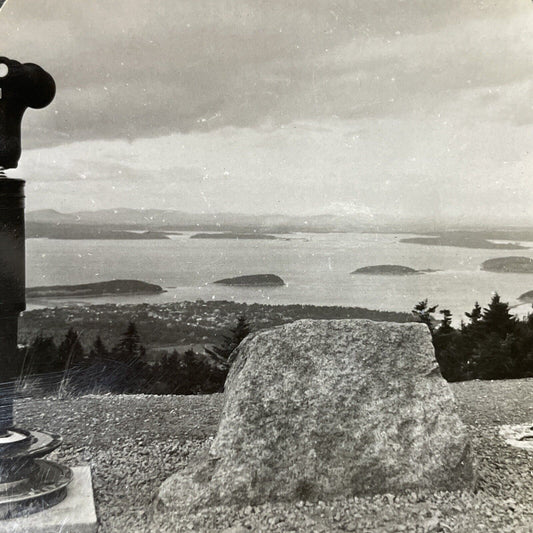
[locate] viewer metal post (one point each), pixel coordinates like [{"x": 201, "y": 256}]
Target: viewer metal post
[{"x": 12, "y": 288}]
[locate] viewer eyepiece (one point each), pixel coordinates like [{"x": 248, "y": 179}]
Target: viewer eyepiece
[{"x": 22, "y": 85}]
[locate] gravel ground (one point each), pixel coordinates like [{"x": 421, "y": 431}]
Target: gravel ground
[{"x": 134, "y": 442}]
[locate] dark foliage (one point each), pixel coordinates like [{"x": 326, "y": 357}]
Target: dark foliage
[
  {"x": 493, "y": 344},
  {"x": 222, "y": 352},
  {"x": 70, "y": 352},
  {"x": 424, "y": 313},
  {"x": 40, "y": 356},
  {"x": 188, "y": 373},
  {"x": 182, "y": 323},
  {"x": 122, "y": 369}
]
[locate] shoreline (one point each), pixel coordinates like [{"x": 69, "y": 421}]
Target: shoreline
[{"x": 181, "y": 322}]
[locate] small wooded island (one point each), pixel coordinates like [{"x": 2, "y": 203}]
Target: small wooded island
[
  {"x": 103, "y": 288},
  {"x": 256, "y": 280},
  {"x": 527, "y": 297},
  {"x": 513, "y": 264},
  {"x": 463, "y": 239},
  {"x": 391, "y": 270},
  {"x": 229, "y": 235}
]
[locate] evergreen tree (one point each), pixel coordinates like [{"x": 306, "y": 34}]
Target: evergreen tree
[
  {"x": 453, "y": 356},
  {"x": 98, "y": 351},
  {"x": 492, "y": 357},
  {"x": 424, "y": 313},
  {"x": 222, "y": 352},
  {"x": 475, "y": 314},
  {"x": 493, "y": 345},
  {"x": 522, "y": 341},
  {"x": 448, "y": 348},
  {"x": 187, "y": 373},
  {"x": 70, "y": 351},
  {"x": 445, "y": 327},
  {"x": 94, "y": 376},
  {"x": 41, "y": 356},
  {"x": 496, "y": 318},
  {"x": 130, "y": 373},
  {"x": 129, "y": 347}
]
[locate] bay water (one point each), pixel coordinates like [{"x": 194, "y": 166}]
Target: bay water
[{"x": 315, "y": 267}]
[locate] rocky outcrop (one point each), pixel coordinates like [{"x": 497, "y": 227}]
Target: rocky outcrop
[
  {"x": 256, "y": 280},
  {"x": 323, "y": 408}
]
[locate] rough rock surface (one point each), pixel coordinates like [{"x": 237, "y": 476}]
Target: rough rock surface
[{"x": 323, "y": 408}]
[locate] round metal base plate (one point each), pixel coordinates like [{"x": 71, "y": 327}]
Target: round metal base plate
[
  {"x": 46, "y": 487},
  {"x": 14, "y": 439},
  {"x": 34, "y": 444}
]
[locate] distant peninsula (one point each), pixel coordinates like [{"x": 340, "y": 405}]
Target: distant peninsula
[
  {"x": 103, "y": 288},
  {"x": 463, "y": 239},
  {"x": 391, "y": 270},
  {"x": 257, "y": 280},
  {"x": 513, "y": 264},
  {"x": 75, "y": 232},
  {"x": 230, "y": 235}
]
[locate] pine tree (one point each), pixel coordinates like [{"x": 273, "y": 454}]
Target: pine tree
[
  {"x": 423, "y": 313},
  {"x": 445, "y": 327},
  {"x": 41, "y": 356},
  {"x": 497, "y": 319},
  {"x": 493, "y": 345},
  {"x": 475, "y": 314},
  {"x": 98, "y": 351},
  {"x": 131, "y": 373},
  {"x": 495, "y": 348},
  {"x": 222, "y": 352},
  {"x": 70, "y": 351},
  {"x": 129, "y": 347}
]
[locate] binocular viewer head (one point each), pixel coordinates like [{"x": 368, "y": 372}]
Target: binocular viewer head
[{"x": 22, "y": 85}]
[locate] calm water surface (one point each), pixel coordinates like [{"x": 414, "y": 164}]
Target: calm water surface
[{"x": 315, "y": 267}]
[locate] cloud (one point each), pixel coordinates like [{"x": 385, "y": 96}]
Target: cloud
[
  {"x": 135, "y": 70},
  {"x": 388, "y": 169},
  {"x": 397, "y": 108}
]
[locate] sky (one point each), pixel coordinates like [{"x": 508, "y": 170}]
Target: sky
[{"x": 379, "y": 109}]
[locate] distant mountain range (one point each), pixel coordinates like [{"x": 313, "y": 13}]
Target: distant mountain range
[
  {"x": 169, "y": 220},
  {"x": 157, "y": 222}
]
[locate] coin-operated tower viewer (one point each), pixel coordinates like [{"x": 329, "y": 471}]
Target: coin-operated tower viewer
[{"x": 28, "y": 483}]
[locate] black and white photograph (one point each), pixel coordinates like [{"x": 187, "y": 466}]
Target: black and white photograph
[{"x": 266, "y": 266}]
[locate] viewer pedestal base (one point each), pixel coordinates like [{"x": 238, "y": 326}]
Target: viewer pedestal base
[
  {"x": 75, "y": 514},
  {"x": 27, "y": 482}
]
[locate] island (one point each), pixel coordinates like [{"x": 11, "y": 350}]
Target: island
[
  {"x": 229, "y": 235},
  {"x": 103, "y": 288},
  {"x": 527, "y": 297},
  {"x": 390, "y": 270},
  {"x": 256, "y": 280},
  {"x": 463, "y": 239},
  {"x": 513, "y": 264}
]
